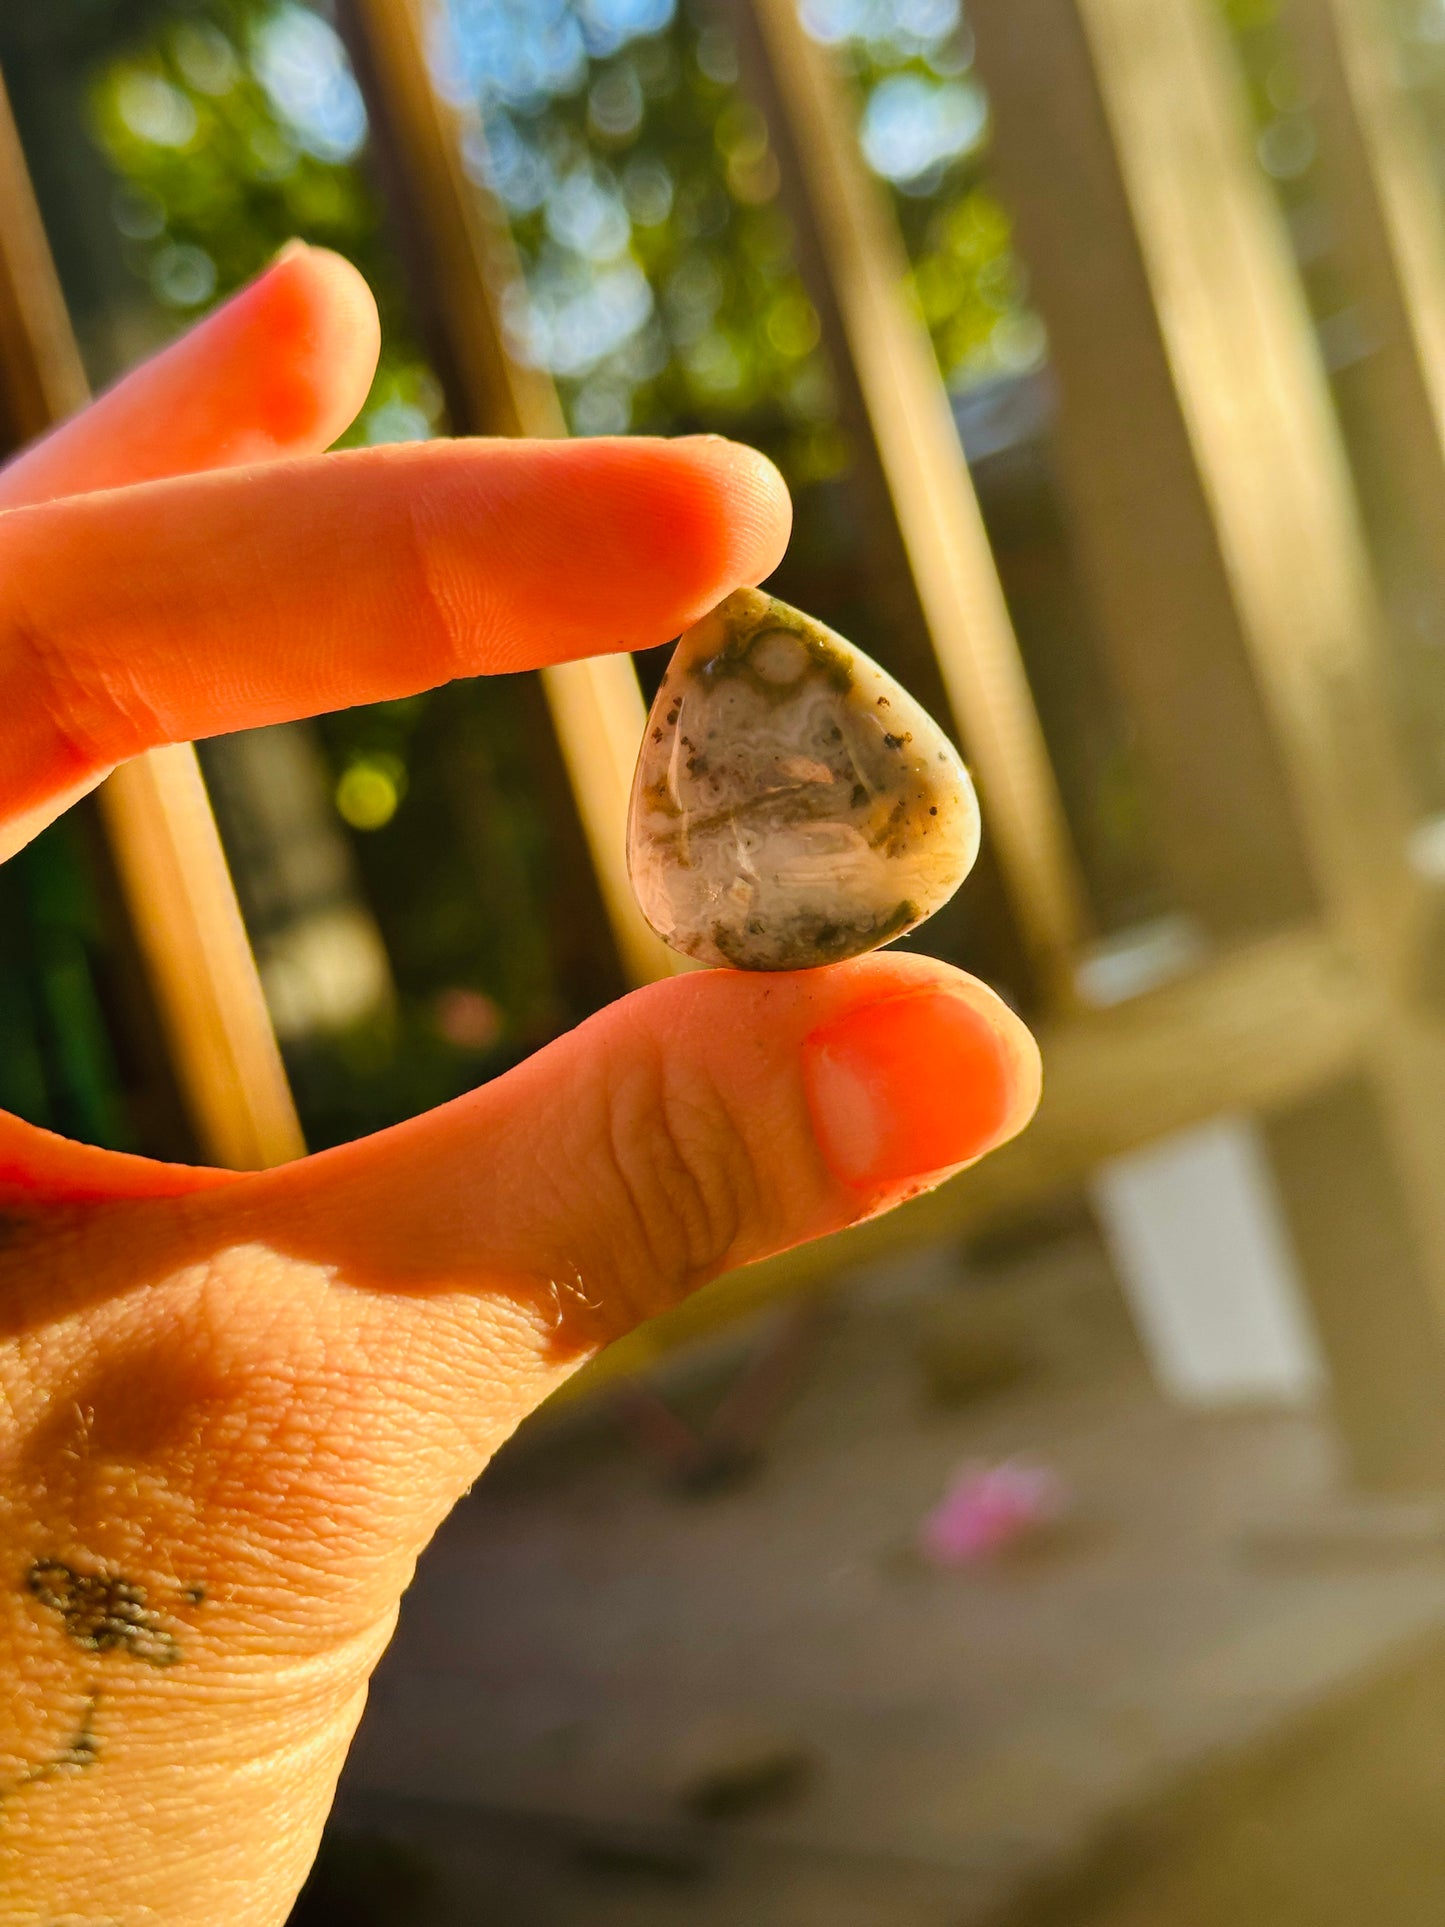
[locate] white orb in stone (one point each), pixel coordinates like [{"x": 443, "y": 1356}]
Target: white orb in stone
[{"x": 793, "y": 806}]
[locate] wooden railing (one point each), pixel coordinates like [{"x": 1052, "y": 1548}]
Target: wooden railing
[{"x": 1221, "y": 544}]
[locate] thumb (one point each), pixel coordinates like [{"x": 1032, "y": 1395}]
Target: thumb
[{"x": 700, "y": 1124}]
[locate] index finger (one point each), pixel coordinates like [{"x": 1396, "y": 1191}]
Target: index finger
[{"x": 210, "y": 603}]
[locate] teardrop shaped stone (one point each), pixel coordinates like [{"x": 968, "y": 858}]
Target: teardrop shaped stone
[{"x": 792, "y": 805}]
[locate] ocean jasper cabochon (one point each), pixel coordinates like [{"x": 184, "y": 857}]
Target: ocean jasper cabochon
[{"x": 792, "y": 805}]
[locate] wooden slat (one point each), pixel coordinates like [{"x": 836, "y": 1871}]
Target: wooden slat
[
  {"x": 183, "y": 904},
  {"x": 598, "y": 714},
  {"x": 884, "y": 348},
  {"x": 465, "y": 263},
  {"x": 1207, "y": 484},
  {"x": 1208, "y": 487},
  {"x": 158, "y": 820},
  {"x": 1388, "y": 222},
  {"x": 1387, "y": 232},
  {"x": 1253, "y": 395},
  {"x": 1357, "y": 1164},
  {"x": 41, "y": 377}
]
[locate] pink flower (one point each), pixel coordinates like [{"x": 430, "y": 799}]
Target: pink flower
[{"x": 988, "y": 1509}]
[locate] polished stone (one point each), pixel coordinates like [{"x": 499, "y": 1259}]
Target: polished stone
[{"x": 793, "y": 806}]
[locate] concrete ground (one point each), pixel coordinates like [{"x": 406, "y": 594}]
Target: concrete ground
[{"x": 610, "y": 1702}]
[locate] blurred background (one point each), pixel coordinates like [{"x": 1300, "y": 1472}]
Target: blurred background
[{"x": 1069, "y": 1548}]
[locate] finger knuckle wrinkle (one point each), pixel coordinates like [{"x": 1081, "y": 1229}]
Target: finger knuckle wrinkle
[
  {"x": 449, "y": 640},
  {"x": 685, "y": 1176},
  {"x": 97, "y": 718}
]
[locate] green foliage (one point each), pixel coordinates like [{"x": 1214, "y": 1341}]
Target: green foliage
[
  {"x": 644, "y": 196},
  {"x": 56, "y": 1064},
  {"x": 1251, "y": 16},
  {"x": 213, "y": 181},
  {"x": 969, "y": 283},
  {"x": 648, "y": 194}
]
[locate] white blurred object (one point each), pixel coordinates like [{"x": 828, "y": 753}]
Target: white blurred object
[
  {"x": 1137, "y": 960},
  {"x": 323, "y": 963},
  {"x": 325, "y": 971},
  {"x": 1204, "y": 1258},
  {"x": 1426, "y": 849}
]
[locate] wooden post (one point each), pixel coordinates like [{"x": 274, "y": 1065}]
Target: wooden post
[
  {"x": 157, "y": 817},
  {"x": 1387, "y": 212},
  {"x": 1387, "y": 226},
  {"x": 1209, "y": 492},
  {"x": 853, "y": 255},
  {"x": 464, "y": 262},
  {"x": 1205, "y": 476}
]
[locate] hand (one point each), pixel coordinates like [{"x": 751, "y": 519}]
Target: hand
[{"x": 233, "y": 1409}]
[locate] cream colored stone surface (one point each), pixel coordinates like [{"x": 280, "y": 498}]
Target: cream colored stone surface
[{"x": 793, "y": 806}]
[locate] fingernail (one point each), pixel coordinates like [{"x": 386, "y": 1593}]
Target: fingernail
[{"x": 911, "y": 1085}]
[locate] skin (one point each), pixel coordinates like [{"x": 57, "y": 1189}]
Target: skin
[{"x": 233, "y": 1409}]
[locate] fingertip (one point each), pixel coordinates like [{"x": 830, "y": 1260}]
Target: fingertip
[
  {"x": 315, "y": 321},
  {"x": 1020, "y": 1058},
  {"x": 1028, "y": 1060},
  {"x": 755, "y": 508},
  {"x": 704, "y": 516},
  {"x": 911, "y": 1080},
  {"x": 656, "y": 531},
  {"x": 339, "y": 292},
  {"x": 1018, "y": 1048},
  {"x": 910, "y": 1066}
]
